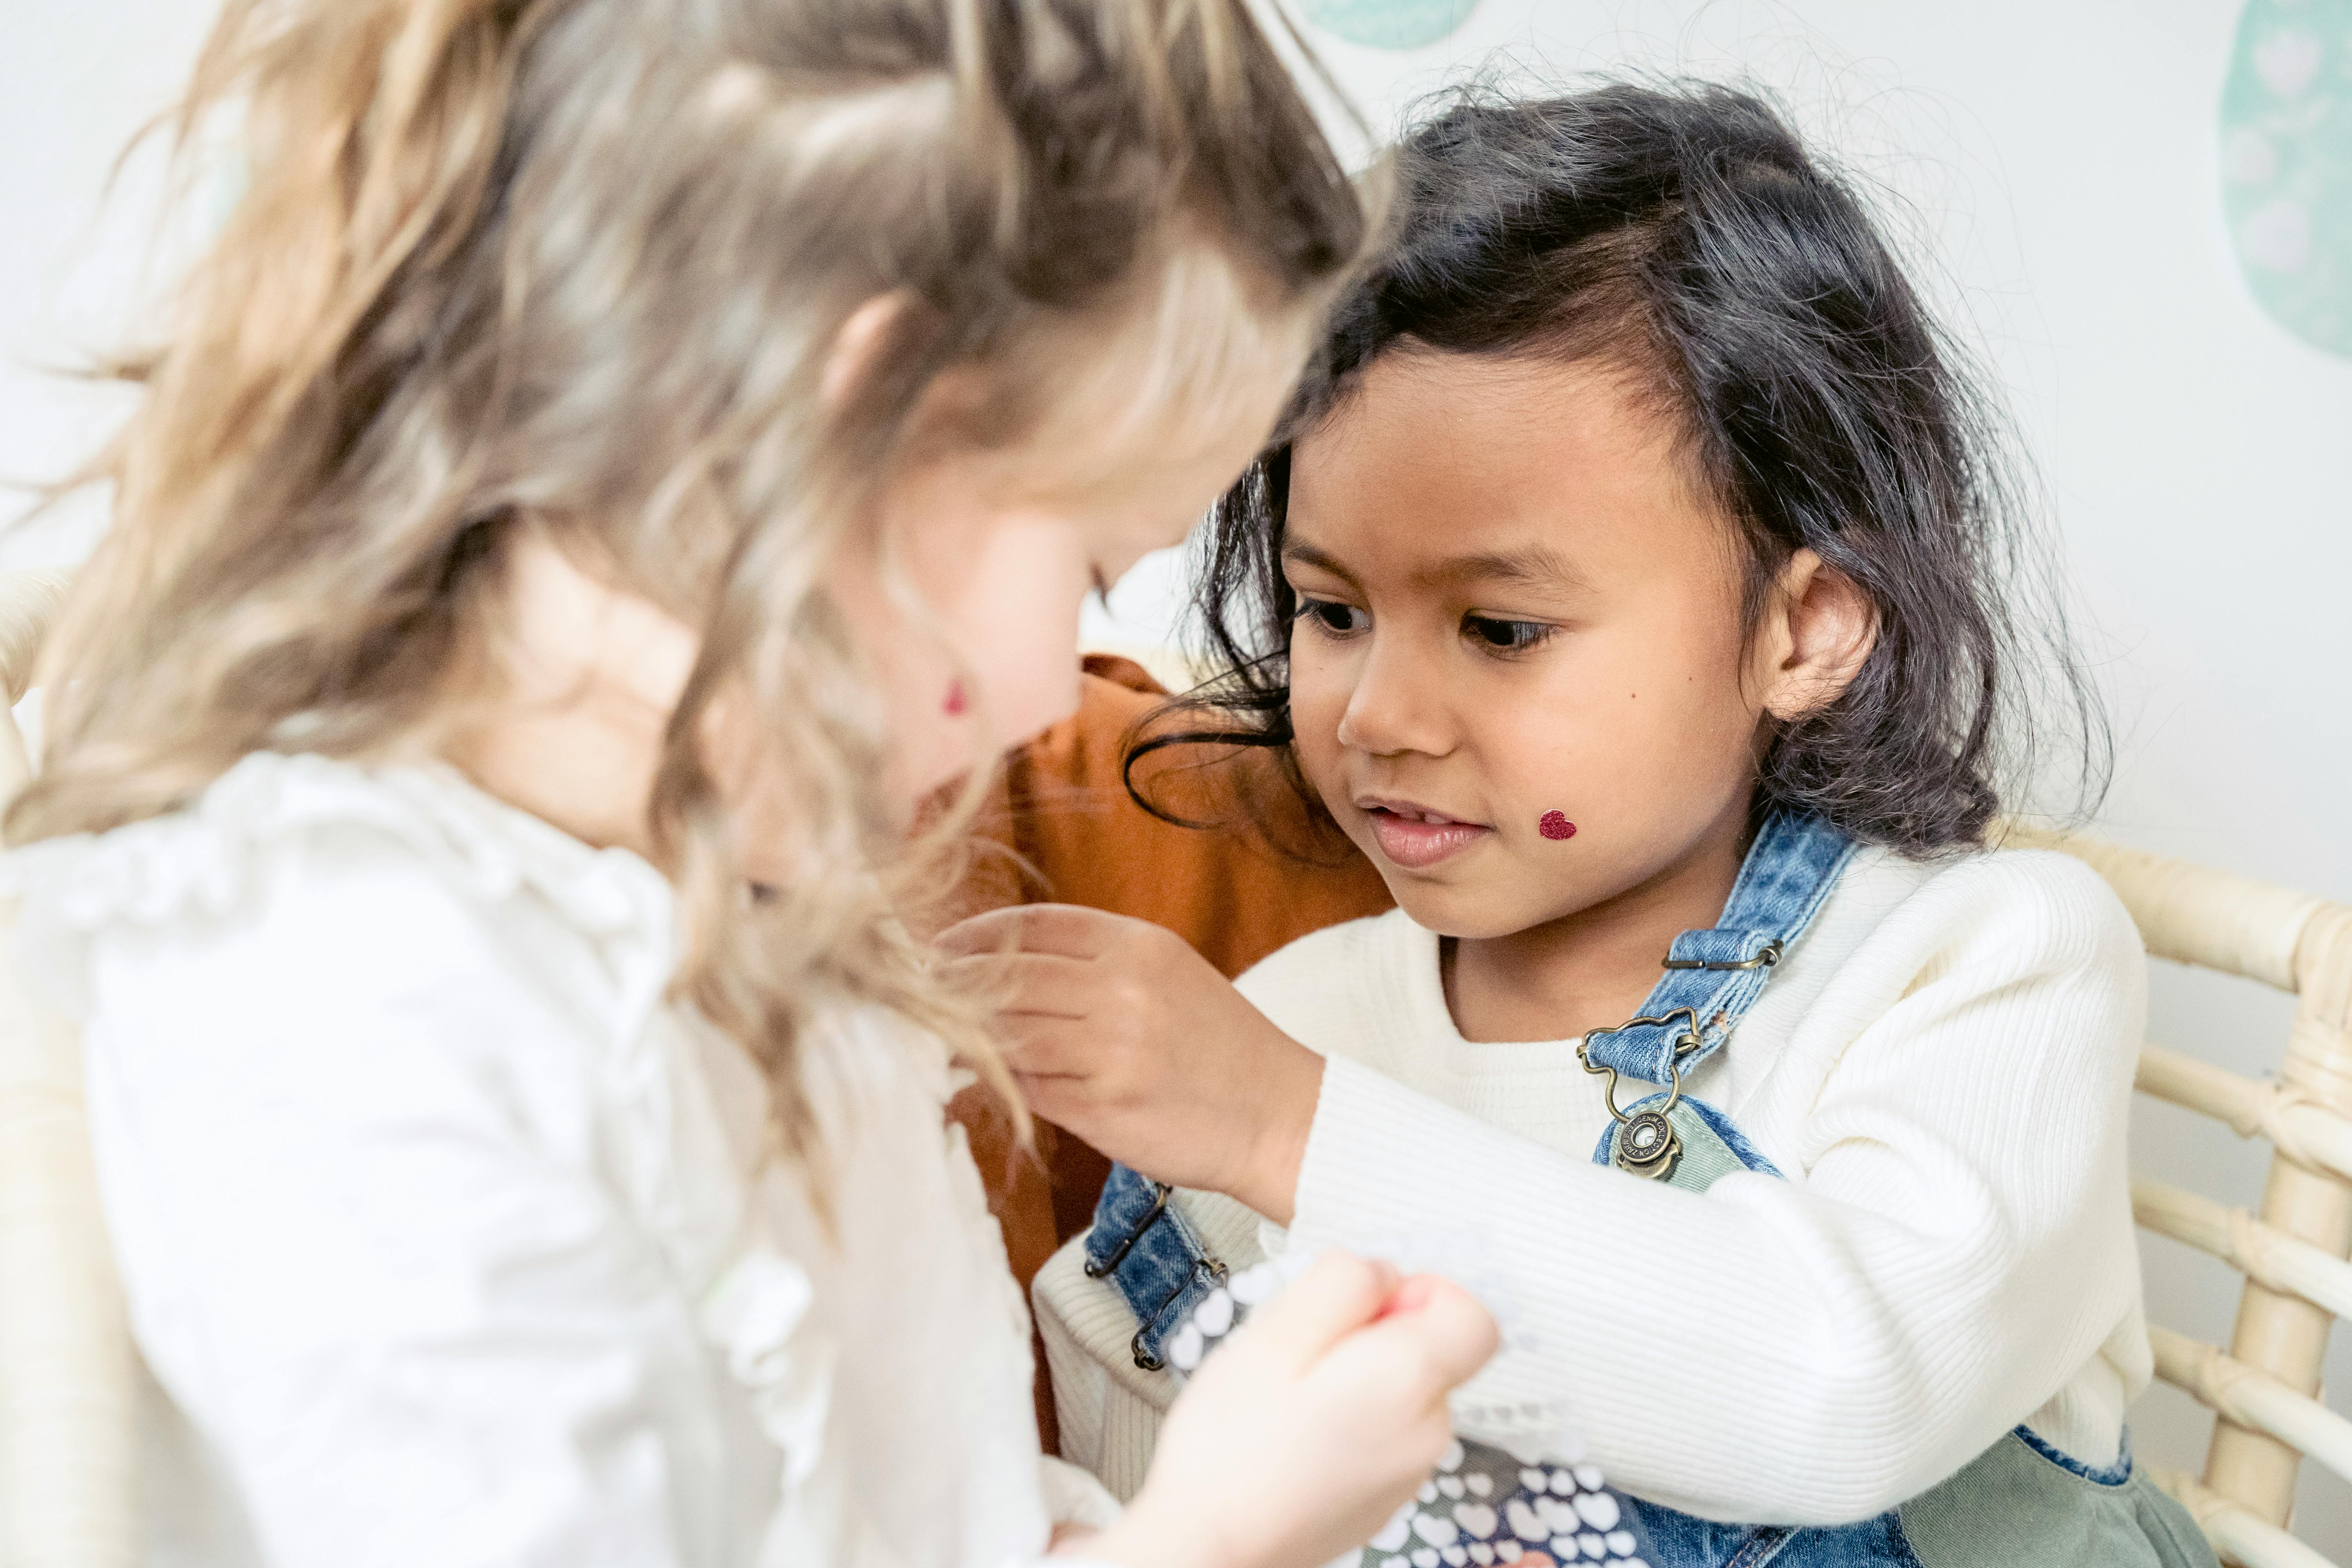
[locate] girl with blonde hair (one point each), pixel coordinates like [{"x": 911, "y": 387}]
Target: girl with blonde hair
[{"x": 615, "y": 460}]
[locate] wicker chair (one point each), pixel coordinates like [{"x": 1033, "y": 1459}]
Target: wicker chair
[
  {"x": 69, "y": 1381},
  {"x": 2293, "y": 1249},
  {"x": 69, "y": 1384}
]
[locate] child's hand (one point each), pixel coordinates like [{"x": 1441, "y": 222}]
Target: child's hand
[
  {"x": 1299, "y": 1438},
  {"x": 1118, "y": 1031}
]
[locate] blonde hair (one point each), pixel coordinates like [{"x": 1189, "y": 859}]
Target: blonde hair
[{"x": 579, "y": 263}]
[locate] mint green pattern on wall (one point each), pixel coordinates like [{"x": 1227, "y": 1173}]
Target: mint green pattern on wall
[
  {"x": 1389, "y": 23},
  {"x": 2286, "y": 165}
]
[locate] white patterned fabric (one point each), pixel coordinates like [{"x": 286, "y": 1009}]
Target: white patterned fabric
[{"x": 449, "y": 1241}]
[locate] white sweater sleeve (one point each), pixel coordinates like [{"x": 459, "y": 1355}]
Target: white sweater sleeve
[
  {"x": 368, "y": 1249},
  {"x": 1816, "y": 1350}
]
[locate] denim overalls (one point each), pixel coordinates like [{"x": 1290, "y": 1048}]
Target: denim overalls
[{"x": 2021, "y": 1503}]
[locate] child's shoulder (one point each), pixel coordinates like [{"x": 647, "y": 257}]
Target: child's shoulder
[
  {"x": 292, "y": 873},
  {"x": 2037, "y": 909}
]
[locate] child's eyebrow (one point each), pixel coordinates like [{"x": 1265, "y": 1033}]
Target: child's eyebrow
[
  {"x": 1322, "y": 560},
  {"x": 1534, "y": 566}
]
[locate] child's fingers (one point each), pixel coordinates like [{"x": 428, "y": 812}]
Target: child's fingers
[
  {"x": 1459, "y": 1334},
  {"x": 1427, "y": 1328},
  {"x": 1045, "y": 1047},
  {"x": 998, "y": 931},
  {"x": 1338, "y": 1294},
  {"x": 1065, "y": 928},
  {"x": 1413, "y": 1295},
  {"x": 1042, "y": 983},
  {"x": 1073, "y": 930},
  {"x": 1063, "y": 1101},
  {"x": 1051, "y": 1098}
]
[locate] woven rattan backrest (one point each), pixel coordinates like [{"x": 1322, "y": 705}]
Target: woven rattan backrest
[
  {"x": 2292, "y": 1249},
  {"x": 67, "y": 1376}
]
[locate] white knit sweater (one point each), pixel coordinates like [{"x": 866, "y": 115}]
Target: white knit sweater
[{"x": 1940, "y": 1067}]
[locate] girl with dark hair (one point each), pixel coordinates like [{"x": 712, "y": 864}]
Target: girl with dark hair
[{"x": 1639, "y": 589}]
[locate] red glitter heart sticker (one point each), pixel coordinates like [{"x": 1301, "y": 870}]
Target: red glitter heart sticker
[{"x": 1556, "y": 825}]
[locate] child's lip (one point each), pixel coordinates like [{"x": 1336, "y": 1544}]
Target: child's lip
[
  {"x": 1414, "y": 835},
  {"x": 1410, "y": 810}
]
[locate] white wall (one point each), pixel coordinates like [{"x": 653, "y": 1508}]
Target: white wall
[
  {"x": 2063, "y": 156},
  {"x": 75, "y": 82}
]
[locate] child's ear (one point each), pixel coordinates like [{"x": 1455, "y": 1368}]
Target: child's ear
[
  {"x": 854, "y": 347},
  {"x": 959, "y": 398},
  {"x": 1818, "y": 629}
]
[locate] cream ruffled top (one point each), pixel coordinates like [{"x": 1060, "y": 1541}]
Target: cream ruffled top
[{"x": 448, "y": 1241}]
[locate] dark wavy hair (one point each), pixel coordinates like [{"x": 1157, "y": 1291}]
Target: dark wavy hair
[{"x": 1683, "y": 232}]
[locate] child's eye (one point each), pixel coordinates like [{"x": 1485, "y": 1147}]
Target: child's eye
[
  {"x": 1507, "y": 637},
  {"x": 1333, "y": 616}
]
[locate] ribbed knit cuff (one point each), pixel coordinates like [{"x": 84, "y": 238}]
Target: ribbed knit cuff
[{"x": 1374, "y": 1150}]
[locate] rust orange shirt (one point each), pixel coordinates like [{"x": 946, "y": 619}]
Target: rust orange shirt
[{"x": 1076, "y": 837}]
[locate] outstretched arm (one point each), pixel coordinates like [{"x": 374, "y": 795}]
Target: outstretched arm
[{"x": 1805, "y": 1351}]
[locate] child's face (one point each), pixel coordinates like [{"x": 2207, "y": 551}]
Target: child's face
[
  {"x": 1517, "y": 613},
  {"x": 1001, "y": 548}
]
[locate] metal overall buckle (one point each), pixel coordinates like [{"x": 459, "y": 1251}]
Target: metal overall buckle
[{"x": 1647, "y": 1143}]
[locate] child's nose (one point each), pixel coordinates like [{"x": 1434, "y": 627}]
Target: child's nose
[{"x": 1397, "y": 706}]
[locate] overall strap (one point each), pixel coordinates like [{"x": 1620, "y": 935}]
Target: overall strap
[
  {"x": 1151, "y": 1254},
  {"x": 1712, "y": 977}
]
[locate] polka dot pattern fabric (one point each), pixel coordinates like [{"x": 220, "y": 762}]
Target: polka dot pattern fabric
[{"x": 1483, "y": 1507}]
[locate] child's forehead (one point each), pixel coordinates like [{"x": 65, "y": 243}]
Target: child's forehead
[
  {"x": 1476, "y": 405},
  {"x": 1455, "y": 466}
]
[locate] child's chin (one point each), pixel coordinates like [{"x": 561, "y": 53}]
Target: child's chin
[{"x": 1461, "y": 912}]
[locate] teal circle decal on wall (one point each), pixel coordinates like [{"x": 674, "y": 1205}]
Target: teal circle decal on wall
[
  {"x": 2286, "y": 164},
  {"x": 1389, "y": 24}
]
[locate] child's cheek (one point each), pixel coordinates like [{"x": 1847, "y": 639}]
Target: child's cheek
[
  {"x": 1318, "y": 699},
  {"x": 1009, "y": 606},
  {"x": 1603, "y": 777}
]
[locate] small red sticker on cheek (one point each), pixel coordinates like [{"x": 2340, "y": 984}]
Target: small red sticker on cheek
[{"x": 1556, "y": 825}]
